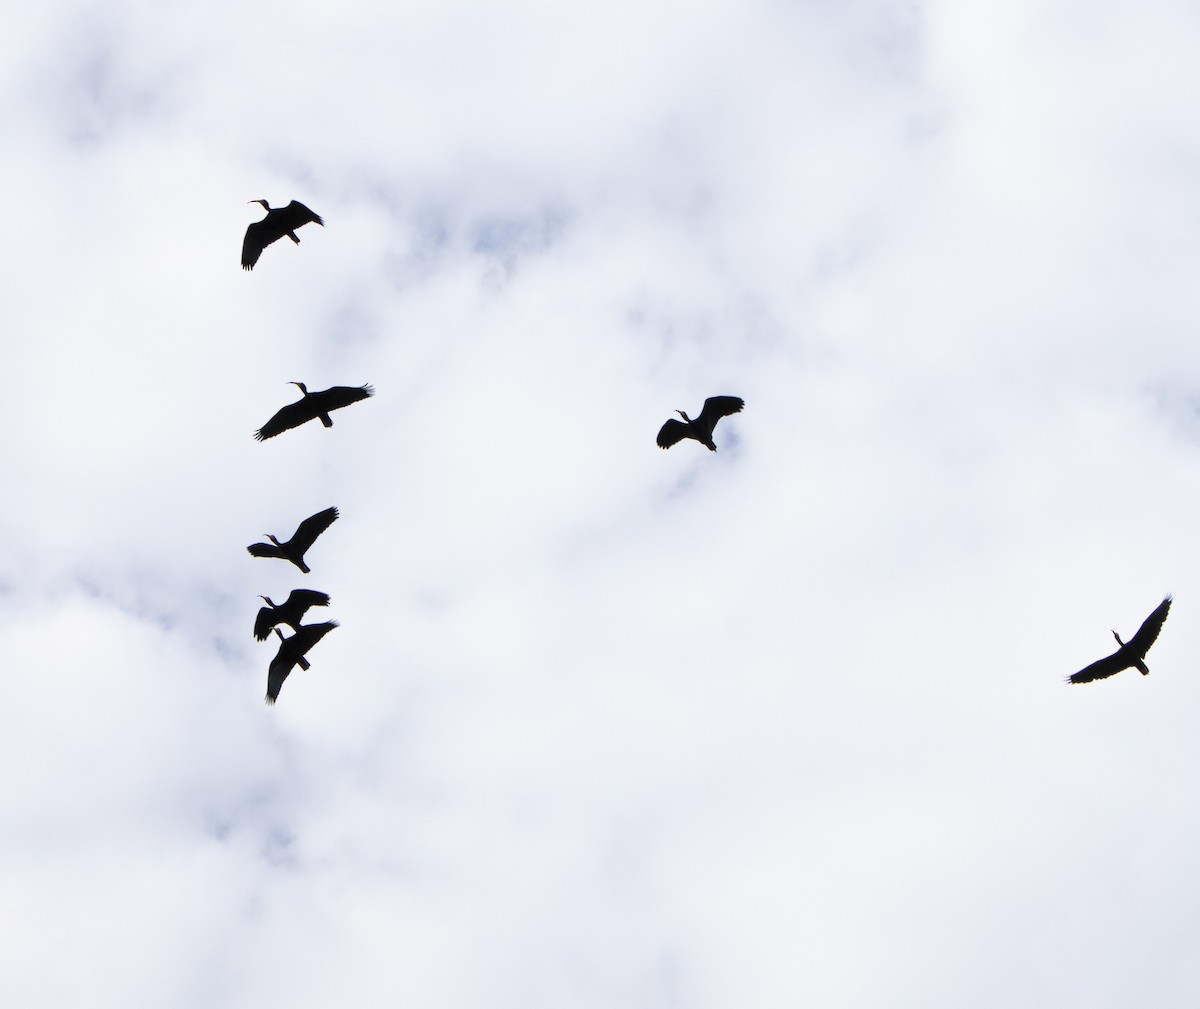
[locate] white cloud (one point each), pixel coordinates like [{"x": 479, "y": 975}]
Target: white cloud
[{"x": 601, "y": 724}]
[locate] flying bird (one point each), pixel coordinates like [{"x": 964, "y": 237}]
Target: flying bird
[
  {"x": 291, "y": 653},
  {"x": 290, "y": 612},
  {"x": 700, "y": 428},
  {"x": 312, "y": 405},
  {"x": 303, "y": 538},
  {"x": 279, "y": 221},
  {"x": 1132, "y": 653}
]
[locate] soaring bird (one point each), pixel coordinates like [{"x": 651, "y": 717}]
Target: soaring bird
[
  {"x": 295, "y": 548},
  {"x": 700, "y": 428},
  {"x": 279, "y": 221},
  {"x": 290, "y": 612},
  {"x": 291, "y": 653},
  {"x": 1132, "y": 653},
  {"x": 312, "y": 405}
]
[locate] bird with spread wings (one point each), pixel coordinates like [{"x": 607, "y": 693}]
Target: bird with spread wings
[
  {"x": 700, "y": 428},
  {"x": 312, "y": 406},
  {"x": 279, "y": 221},
  {"x": 294, "y": 549},
  {"x": 1131, "y": 654}
]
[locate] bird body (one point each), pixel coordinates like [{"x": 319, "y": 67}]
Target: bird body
[
  {"x": 302, "y": 662},
  {"x": 294, "y": 549},
  {"x": 312, "y": 406},
  {"x": 289, "y": 612},
  {"x": 700, "y": 428},
  {"x": 279, "y": 221},
  {"x": 291, "y": 652},
  {"x": 1131, "y": 654}
]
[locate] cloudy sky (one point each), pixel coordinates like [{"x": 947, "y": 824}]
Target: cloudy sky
[{"x": 602, "y": 725}]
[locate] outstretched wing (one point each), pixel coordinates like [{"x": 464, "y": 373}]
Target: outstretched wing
[
  {"x": 1102, "y": 668},
  {"x": 672, "y": 432},
  {"x": 296, "y": 214},
  {"x": 309, "y": 635},
  {"x": 278, "y": 671},
  {"x": 259, "y": 235},
  {"x": 302, "y": 599},
  {"x": 339, "y": 396},
  {"x": 312, "y": 527},
  {"x": 1148, "y": 633},
  {"x": 716, "y": 407},
  {"x": 266, "y": 619},
  {"x": 292, "y": 415}
]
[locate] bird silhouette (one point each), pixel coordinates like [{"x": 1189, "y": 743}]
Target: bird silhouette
[
  {"x": 312, "y": 405},
  {"x": 700, "y": 428},
  {"x": 291, "y": 652},
  {"x": 279, "y": 221},
  {"x": 289, "y": 612},
  {"x": 1131, "y": 654},
  {"x": 303, "y": 538}
]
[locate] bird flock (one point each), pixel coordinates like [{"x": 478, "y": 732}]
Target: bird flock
[
  {"x": 281, "y": 221},
  {"x": 284, "y": 221}
]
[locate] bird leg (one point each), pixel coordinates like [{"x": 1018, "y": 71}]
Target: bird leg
[{"x": 292, "y": 236}]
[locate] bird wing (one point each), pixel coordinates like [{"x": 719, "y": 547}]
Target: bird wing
[
  {"x": 716, "y": 407},
  {"x": 339, "y": 396},
  {"x": 1148, "y": 633},
  {"x": 266, "y": 619},
  {"x": 1102, "y": 668},
  {"x": 302, "y": 599},
  {"x": 672, "y": 432},
  {"x": 310, "y": 634},
  {"x": 264, "y": 550},
  {"x": 312, "y": 527},
  {"x": 296, "y": 214},
  {"x": 278, "y": 671},
  {"x": 290, "y": 416},
  {"x": 259, "y": 235}
]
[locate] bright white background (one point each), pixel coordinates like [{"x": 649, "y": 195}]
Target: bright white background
[{"x": 603, "y": 726}]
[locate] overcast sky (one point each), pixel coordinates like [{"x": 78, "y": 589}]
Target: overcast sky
[{"x": 602, "y": 725}]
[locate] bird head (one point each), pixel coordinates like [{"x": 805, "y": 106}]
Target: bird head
[
  {"x": 684, "y": 416},
  {"x": 265, "y": 204},
  {"x": 301, "y": 386},
  {"x": 271, "y": 538},
  {"x": 267, "y": 600},
  {"x": 1118, "y": 637}
]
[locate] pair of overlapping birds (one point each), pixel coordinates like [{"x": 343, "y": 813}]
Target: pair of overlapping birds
[{"x": 283, "y": 222}]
